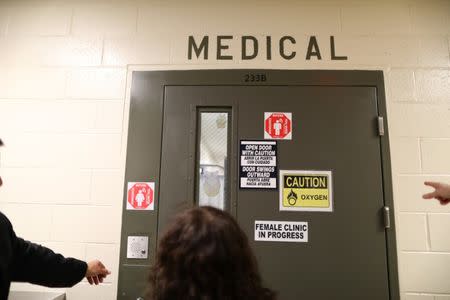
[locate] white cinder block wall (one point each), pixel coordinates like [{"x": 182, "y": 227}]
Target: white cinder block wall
[{"x": 64, "y": 80}]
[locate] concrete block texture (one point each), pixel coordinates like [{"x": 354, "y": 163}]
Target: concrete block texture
[
  {"x": 104, "y": 19},
  {"x": 365, "y": 18},
  {"x": 46, "y": 186},
  {"x": 435, "y": 155},
  {"x": 147, "y": 48},
  {"x": 4, "y": 16},
  {"x": 405, "y": 154},
  {"x": 50, "y": 51},
  {"x": 29, "y": 82},
  {"x": 430, "y": 17},
  {"x": 417, "y": 297},
  {"x": 96, "y": 83},
  {"x": 81, "y": 224},
  {"x": 58, "y": 150},
  {"x": 296, "y": 16},
  {"x": 41, "y": 116},
  {"x": 402, "y": 85},
  {"x": 420, "y": 120},
  {"x": 433, "y": 85},
  {"x": 439, "y": 224},
  {"x": 107, "y": 187},
  {"x": 413, "y": 232},
  {"x": 425, "y": 272},
  {"x": 37, "y": 19}
]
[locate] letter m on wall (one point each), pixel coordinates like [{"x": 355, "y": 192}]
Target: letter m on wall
[{"x": 198, "y": 49}]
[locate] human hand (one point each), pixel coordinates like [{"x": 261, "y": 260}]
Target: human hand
[
  {"x": 96, "y": 272},
  {"x": 441, "y": 192}
]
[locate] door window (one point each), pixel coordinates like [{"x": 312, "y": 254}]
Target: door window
[{"x": 212, "y": 158}]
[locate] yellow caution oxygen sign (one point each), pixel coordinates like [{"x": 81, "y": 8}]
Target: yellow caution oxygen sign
[{"x": 306, "y": 190}]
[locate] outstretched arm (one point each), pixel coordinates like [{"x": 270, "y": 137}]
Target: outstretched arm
[
  {"x": 39, "y": 265},
  {"x": 441, "y": 192}
]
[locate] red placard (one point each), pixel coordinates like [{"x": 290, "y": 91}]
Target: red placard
[
  {"x": 278, "y": 125},
  {"x": 140, "y": 196}
]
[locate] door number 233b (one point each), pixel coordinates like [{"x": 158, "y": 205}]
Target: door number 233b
[{"x": 255, "y": 78}]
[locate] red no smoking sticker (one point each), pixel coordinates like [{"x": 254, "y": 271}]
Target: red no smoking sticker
[
  {"x": 277, "y": 126},
  {"x": 141, "y": 196}
]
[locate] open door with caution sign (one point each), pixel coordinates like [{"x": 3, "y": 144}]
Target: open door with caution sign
[{"x": 301, "y": 160}]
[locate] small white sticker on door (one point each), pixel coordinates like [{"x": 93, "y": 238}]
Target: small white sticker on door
[
  {"x": 281, "y": 231},
  {"x": 137, "y": 247}
]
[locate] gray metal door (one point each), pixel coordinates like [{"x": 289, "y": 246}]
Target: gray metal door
[{"x": 334, "y": 128}]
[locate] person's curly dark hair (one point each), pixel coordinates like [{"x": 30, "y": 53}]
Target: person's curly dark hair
[{"x": 205, "y": 255}]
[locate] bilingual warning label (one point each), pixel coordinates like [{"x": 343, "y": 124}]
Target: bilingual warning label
[
  {"x": 306, "y": 190},
  {"x": 258, "y": 164},
  {"x": 280, "y": 231}
]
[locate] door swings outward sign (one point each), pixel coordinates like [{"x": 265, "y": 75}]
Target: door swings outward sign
[
  {"x": 258, "y": 164},
  {"x": 306, "y": 190}
]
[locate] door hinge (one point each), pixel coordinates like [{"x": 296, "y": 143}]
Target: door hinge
[
  {"x": 387, "y": 217},
  {"x": 380, "y": 126}
]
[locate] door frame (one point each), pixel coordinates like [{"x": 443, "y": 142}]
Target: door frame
[{"x": 143, "y": 156}]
